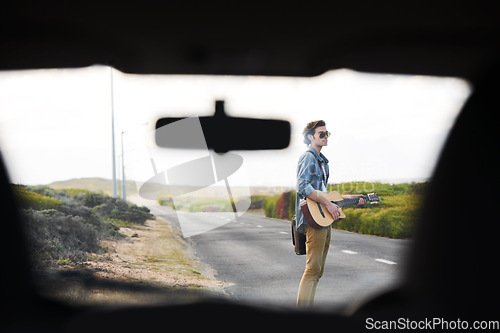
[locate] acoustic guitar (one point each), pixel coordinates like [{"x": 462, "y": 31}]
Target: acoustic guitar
[{"x": 317, "y": 216}]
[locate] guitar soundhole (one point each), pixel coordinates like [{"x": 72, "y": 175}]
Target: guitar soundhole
[{"x": 321, "y": 210}]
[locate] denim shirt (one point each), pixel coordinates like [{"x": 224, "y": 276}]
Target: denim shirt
[{"x": 309, "y": 178}]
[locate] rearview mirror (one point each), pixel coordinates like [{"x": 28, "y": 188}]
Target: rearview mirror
[{"x": 223, "y": 133}]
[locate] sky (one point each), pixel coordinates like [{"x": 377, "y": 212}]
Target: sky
[{"x": 55, "y": 124}]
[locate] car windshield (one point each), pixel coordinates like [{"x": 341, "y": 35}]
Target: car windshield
[{"x": 102, "y": 202}]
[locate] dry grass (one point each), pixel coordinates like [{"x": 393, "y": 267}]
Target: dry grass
[{"x": 153, "y": 255}]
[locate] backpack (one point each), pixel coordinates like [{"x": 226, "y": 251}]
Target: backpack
[{"x": 298, "y": 239}]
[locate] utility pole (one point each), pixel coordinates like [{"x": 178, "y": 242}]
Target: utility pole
[
  {"x": 124, "y": 186},
  {"x": 124, "y": 179},
  {"x": 113, "y": 134}
]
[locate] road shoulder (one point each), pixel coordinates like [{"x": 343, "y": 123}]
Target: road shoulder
[{"x": 151, "y": 264}]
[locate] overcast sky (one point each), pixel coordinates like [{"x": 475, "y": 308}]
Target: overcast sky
[{"x": 56, "y": 124}]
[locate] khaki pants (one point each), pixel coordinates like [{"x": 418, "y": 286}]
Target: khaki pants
[{"x": 317, "y": 245}]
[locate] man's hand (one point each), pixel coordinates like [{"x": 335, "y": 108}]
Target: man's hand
[
  {"x": 361, "y": 201},
  {"x": 333, "y": 209}
]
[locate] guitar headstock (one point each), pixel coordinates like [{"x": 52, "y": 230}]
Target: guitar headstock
[{"x": 372, "y": 198}]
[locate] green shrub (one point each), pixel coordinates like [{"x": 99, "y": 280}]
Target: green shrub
[
  {"x": 380, "y": 188},
  {"x": 91, "y": 199},
  {"x": 291, "y": 208},
  {"x": 257, "y": 202},
  {"x": 66, "y": 225},
  {"x": 395, "y": 216},
  {"x": 32, "y": 200},
  {"x": 270, "y": 205},
  {"x": 53, "y": 235},
  {"x": 108, "y": 207}
]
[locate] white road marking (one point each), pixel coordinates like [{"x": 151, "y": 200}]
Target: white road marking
[
  {"x": 259, "y": 226},
  {"x": 349, "y": 252},
  {"x": 284, "y": 233},
  {"x": 388, "y": 262}
]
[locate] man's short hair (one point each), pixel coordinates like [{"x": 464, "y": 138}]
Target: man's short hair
[{"x": 310, "y": 128}]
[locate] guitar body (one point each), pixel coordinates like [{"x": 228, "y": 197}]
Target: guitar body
[{"x": 318, "y": 216}]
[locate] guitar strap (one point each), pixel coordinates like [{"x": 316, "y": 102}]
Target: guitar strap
[{"x": 322, "y": 168}]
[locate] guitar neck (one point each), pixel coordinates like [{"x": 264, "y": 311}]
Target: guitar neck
[{"x": 348, "y": 202}]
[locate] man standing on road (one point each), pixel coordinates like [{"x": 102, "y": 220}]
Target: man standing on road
[{"x": 312, "y": 174}]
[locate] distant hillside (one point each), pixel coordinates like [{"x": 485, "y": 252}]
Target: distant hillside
[
  {"x": 105, "y": 185},
  {"x": 94, "y": 185}
]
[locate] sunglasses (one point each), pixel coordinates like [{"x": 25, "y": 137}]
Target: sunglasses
[{"x": 322, "y": 134}]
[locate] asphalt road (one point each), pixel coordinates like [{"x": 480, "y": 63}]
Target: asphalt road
[{"x": 255, "y": 255}]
